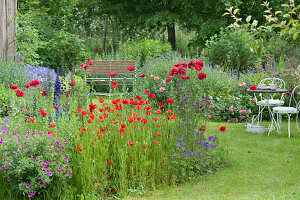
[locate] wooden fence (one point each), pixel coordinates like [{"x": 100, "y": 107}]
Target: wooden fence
[{"x": 8, "y": 10}]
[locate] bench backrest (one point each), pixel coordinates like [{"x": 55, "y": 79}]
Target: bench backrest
[{"x": 101, "y": 69}]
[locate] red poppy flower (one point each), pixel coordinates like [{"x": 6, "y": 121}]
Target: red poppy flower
[
  {"x": 155, "y": 118},
  {"x": 201, "y": 76},
  {"x": 199, "y": 62},
  {"x": 27, "y": 85},
  {"x": 92, "y": 115},
  {"x": 72, "y": 83},
  {"x": 131, "y": 143},
  {"x": 160, "y": 164},
  {"x": 170, "y": 100},
  {"x": 79, "y": 110},
  {"x": 130, "y": 120},
  {"x": 93, "y": 143},
  {"x": 148, "y": 112},
  {"x": 169, "y": 111},
  {"x": 144, "y": 147},
  {"x": 130, "y": 68},
  {"x": 143, "y": 75},
  {"x": 252, "y": 87},
  {"x": 44, "y": 113},
  {"x": 125, "y": 102},
  {"x": 89, "y": 121},
  {"x": 52, "y": 125},
  {"x": 152, "y": 95},
  {"x": 20, "y": 93},
  {"x": 198, "y": 67},
  {"x": 108, "y": 162},
  {"x": 185, "y": 77},
  {"x": 138, "y": 97},
  {"x": 79, "y": 148},
  {"x": 122, "y": 131},
  {"x": 101, "y": 100},
  {"x": 139, "y": 118},
  {"x": 49, "y": 132},
  {"x": 155, "y": 142},
  {"x": 146, "y": 91},
  {"x": 14, "y": 87},
  {"x": 114, "y": 84},
  {"x": 173, "y": 116},
  {"x": 158, "y": 112},
  {"x": 223, "y": 128},
  {"x": 55, "y": 107},
  {"x": 83, "y": 112},
  {"x": 168, "y": 79},
  {"x": 32, "y": 119},
  {"x": 92, "y": 107},
  {"x": 161, "y": 104},
  {"x": 105, "y": 115},
  {"x": 191, "y": 63},
  {"x": 112, "y": 74},
  {"x": 83, "y": 129},
  {"x": 35, "y": 83},
  {"x": 115, "y": 122},
  {"x": 123, "y": 126},
  {"x": 158, "y": 134}
]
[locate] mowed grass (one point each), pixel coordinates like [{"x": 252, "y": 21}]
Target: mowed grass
[{"x": 259, "y": 167}]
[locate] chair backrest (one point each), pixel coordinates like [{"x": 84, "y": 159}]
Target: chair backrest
[
  {"x": 295, "y": 98},
  {"x": 277, "y": 81}
]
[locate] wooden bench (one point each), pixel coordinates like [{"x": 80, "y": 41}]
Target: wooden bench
[{"x": 99, "y": 73}]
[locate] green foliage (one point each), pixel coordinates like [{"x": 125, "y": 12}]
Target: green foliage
[
  {"x": 280, "y": 34},
  {"x": 64, "y": 49},
  {"x": 143, "y": 50},
  {"x": 33, "y": 161},
  {"x": 230, "y": 49},
  {"x": 28, "y": 39},
  {"x": 4, "y": 101}
]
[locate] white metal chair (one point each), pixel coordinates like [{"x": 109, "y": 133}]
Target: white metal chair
[
  {"x": 269, "y": 100},
  {"x": 293, "y": 108}
]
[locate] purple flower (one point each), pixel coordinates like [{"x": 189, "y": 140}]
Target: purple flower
[
  {"x": 178, "y": 144},
  {"x": 47, "y": 170},
  {"x": 20, "y": 149},
  {"x": 27, "y": 186},
  {"x": 59, "y": 169},
  {"x": 8, "y": 179}
]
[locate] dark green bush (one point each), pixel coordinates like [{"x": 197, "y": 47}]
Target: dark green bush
[{"x": 230, "y": 49}]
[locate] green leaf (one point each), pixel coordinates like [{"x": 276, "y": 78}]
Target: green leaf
[
  {"x": 235, "y": 11},
  {"x": 248, "y": 19},
  {"x": 295, "y": 35},
  {"x": 225, "y": 14},
  {"x": 285, "y": 5},
  {"x": 277, "y": 12}
]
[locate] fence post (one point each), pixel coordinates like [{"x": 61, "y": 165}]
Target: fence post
[{"x": 8, "y": 10}]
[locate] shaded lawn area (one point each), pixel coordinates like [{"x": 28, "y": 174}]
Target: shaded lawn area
[{"x": 259, "y": 167}]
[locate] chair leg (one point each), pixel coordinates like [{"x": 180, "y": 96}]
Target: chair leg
[
  {"x": 297, "y": 124},
  {"x": 289, "y": 119}
]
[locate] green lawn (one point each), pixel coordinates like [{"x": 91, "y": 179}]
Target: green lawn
[{"x": 260, "y": 167}]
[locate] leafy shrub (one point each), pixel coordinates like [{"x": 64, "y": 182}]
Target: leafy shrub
[
  {"x": 28, "y": 38},
  {"x": 62, "y": 52},
  {"x": 230, "y": 49},
  {"x": 4, "y": 101},
  {"x": 32, "y": 161},
  {"x": 143, "y": 49}
]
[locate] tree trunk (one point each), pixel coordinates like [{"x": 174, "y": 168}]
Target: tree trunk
[
  {"x": 171, "y": 35},
  {"x": 104, "y": 34}
]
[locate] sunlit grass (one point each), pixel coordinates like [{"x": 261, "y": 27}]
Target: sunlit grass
[{"x": 260, "y": 167}]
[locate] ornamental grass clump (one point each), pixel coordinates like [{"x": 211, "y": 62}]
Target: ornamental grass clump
[{"x": 33, "y": 161}]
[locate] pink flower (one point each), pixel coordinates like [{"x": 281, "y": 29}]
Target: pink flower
[
  {"x": 241, "y": 117},
  {"x": 156, "y": 78},
  {"x": 243, "y": 111},
  {"x": 209, "y": 107},
  {"x": 209, "y": 116},
  {"x": 161, "y": 89},
  {"x": 228, "y": 121},
  {"x": 247, "y": 116},
  {"x": 236, "y": 119}
]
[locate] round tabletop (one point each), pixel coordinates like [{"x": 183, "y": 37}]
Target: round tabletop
[{"x": 268, "y": 91}]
